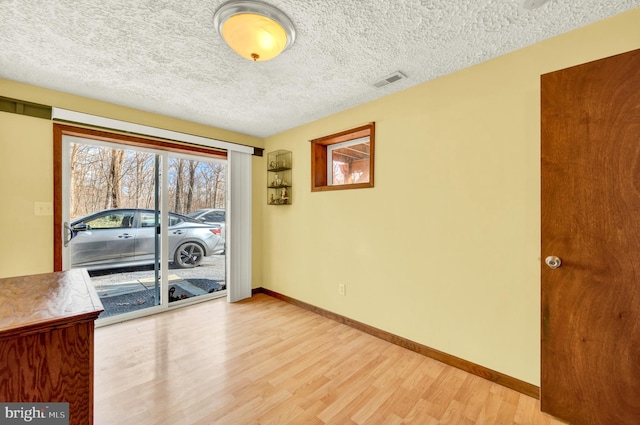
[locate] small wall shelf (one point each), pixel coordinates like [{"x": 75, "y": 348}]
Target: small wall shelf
[{"x": 279, "y": 177}]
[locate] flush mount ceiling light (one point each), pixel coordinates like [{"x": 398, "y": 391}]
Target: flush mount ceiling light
[{"x": 253, "y": 29}]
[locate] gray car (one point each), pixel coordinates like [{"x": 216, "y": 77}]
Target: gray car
[
  {"x": 126, "y": 237},
  {"x": 213, "y": 216}
]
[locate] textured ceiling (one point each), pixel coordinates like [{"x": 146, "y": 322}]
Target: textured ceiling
[{"x": 164, "y": 56}]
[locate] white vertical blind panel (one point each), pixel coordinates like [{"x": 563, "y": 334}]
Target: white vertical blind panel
[{"x": 239, "y": 226}]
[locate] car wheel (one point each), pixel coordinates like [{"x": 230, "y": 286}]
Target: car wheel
[{"x": 188, "y": 255}]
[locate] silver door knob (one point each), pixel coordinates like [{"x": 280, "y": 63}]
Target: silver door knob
[{"x": 553, "y": 262}]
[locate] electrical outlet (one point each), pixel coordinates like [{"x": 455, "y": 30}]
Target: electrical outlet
[{"x": 342, "y": 289}]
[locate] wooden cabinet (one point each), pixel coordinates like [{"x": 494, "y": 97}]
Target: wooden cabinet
[{"x": 46, "y": 340}]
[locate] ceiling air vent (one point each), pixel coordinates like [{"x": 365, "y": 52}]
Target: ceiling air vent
[
  {"x": 391, "y": 78},
  {"x": 533, "y": 4}
]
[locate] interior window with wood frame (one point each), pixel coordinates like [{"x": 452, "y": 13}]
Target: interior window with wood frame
[{"x": 343, "y": 160}]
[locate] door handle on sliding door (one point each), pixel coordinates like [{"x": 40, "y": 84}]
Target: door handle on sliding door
[{"x": 67, "y": 232}]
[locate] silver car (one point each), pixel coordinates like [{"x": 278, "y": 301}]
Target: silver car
[
  {"x": 126, "y": 237},
  {"x": 213, "y": 216}
]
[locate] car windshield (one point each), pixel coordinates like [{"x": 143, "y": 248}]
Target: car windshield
[
  {"x": 214, "y": 216},
  {"x": 195, "y": 213},
  {"x": 208, "y": 215}
]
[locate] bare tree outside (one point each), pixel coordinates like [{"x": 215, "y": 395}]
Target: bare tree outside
[
  {"x": 114, "y": 187},
  {"x": 215, "y": 188},
  {"x": 104, "y": 177},
  {"x": 177, "y": 203},
  {"x": 193, "y": 165}
]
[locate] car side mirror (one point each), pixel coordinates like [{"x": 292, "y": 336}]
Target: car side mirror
[{"x": 80, "y": 227}]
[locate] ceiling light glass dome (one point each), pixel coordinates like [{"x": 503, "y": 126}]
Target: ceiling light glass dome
[{"x": 253, "y": 29}]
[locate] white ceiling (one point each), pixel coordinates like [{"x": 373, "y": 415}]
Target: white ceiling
[{"x": 164, "y": 56}]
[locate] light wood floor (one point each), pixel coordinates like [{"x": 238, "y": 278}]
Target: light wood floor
[{"x": 264, "y": 361}]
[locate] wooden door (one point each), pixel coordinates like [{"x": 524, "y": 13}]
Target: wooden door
[{"x": 591, "y": 221}]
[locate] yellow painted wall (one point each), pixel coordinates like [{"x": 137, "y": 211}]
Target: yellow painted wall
[
  {"x": 26, "y": 177},
  {"x": 26, "y": 173},
  {"x": 445, "y": 249}
]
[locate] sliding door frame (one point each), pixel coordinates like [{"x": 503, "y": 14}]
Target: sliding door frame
[{"x": 239, "y": 167}]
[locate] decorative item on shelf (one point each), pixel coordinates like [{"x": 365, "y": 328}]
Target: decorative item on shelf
[{"x": 279, "y": 177}]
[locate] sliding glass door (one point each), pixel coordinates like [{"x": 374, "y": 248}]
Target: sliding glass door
[
  {"x": 148, "y": 225},
  {"x": 196, "y": 189}
]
